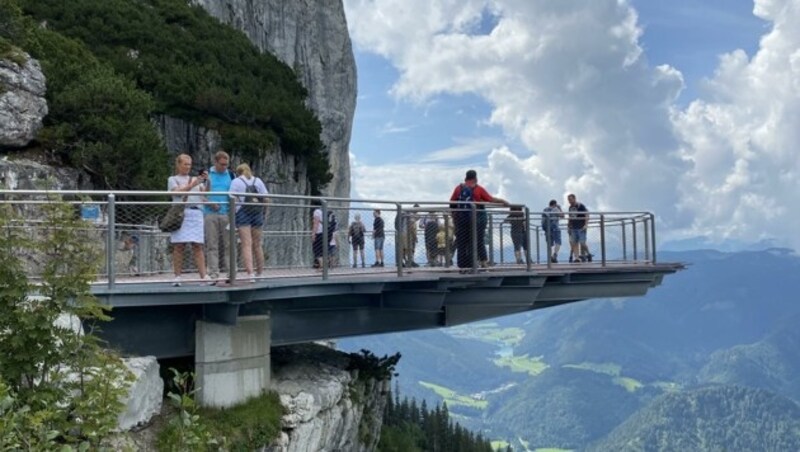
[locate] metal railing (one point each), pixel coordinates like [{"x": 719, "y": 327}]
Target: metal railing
[{"x": 237, "y": 242}]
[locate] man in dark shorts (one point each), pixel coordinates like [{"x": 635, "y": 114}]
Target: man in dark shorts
[
  {"x": 378, "y": 235},
  {"x": 577, "y": 225},
  {"x": 355, "y": 235}
]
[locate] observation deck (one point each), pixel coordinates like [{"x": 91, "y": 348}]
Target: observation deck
[{"x": 230, "y": 326}]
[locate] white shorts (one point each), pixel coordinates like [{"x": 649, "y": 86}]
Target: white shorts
[{"x": 191, "y": 230}]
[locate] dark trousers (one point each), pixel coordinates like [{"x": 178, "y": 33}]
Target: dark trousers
[
  {"x": 482, "y": 221},
  {"x": 463, "y": 226},
  {"x": 461, "y": 222}
]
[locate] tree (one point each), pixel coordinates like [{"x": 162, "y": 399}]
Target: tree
[{"x": 57, "y": 385}]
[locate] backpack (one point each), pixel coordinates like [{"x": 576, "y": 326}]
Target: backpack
[
  {"x": 250, "y": 190},
  {"x": 464, "y": 198},
  {"x": 357, "y": 231}
]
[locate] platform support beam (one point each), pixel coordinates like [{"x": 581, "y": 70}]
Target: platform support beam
[{"x": 232, "y": 362}]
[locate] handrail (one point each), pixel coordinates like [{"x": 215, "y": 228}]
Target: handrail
[{"x": 616, "y": 236}]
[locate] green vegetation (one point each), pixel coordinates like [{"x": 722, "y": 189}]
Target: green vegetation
[
  {"x": 248, "y": 426},
  {"x": 453, "y": 398},
  {"x": 713, "y": 418},
  {"x": 489, "y": 332},
  {"x": 58, "y": 387},
  {"x": 111, "y": 65},
  {"x": 408, "y": 427},
  {"x": 500, "y": 445},
  {"x": 533, "y": 366},
  {"x": 630, "y": 384},
  {"x": 611, "y": 369},
  {"x": 196, "y": 69}
]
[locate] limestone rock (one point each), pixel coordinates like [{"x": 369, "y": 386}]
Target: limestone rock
[
  {"x": 22, "y": 102},
  {"x": 145, "y": 394},
  {"x": 23, "y": 174},
  {"x": 328, "y": 407},
  {"x": 311, "y": 37}
]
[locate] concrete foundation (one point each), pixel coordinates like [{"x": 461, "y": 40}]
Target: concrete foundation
[{"x": 232, "y": 363}]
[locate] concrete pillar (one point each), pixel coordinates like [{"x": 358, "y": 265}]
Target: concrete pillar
[{"x": 232, "y": 363}]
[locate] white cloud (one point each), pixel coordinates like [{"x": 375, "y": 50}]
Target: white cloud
[
  {"x": 570, "y": 81},
  {"x": 465, "y": 149}
]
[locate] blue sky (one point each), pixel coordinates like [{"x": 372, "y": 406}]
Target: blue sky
[{"x": 638, "y": 104}]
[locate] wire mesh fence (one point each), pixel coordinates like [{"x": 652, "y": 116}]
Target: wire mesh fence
[{"x": 269, "y": 236}]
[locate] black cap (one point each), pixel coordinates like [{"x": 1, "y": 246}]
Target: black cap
[
  {"x": 471, "y": 174},
  {"x": 553, "y": 202}
]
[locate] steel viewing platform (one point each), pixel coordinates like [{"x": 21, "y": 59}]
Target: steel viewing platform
[{"x": 229, "y": 327}]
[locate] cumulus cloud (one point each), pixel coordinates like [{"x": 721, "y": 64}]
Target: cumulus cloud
[
  {"x": 570, "y": 81},
  {"x": 742, "y": 139}
]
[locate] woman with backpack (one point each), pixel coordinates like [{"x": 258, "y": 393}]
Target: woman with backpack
[
  {"x": 250, "y": 213},
  {"x": 355, "y": 235}
]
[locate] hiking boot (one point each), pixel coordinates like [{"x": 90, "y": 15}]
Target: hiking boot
[
  {"x": 376, "y": 264},
  {"x": 589, "y": 257},
  {"x": 355, "y": 265}
]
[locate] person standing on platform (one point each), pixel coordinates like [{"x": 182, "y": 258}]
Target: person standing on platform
[
  {"x": 250, "y": 213},
  {"x": 378, "y": 236},
  {"x": 577, "y": 225},
  {"x": 216, "y": 215},
  {"x": 519, "y": 233},
  {"x": 462, "y": 199},
  {"x": 355, "y": 235},
  {"x": 191, "y": 230},
  {"x": 551, "y": 215}
]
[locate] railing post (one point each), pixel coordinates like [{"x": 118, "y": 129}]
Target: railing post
[
  {"x": 474, "y": 244},
  {"x": 635, "y": 245},
  {"x": 448, "y": 220},
  {"x": 325, "y": 239},
  {"x": 653, "y": 235},
  {"x": 538, "y": 245},
  {"x": 502, "y": 260},
  {"x": 111, "y": 247},
  {"x": 646, "y": 240},
  {"x": 491, "y": 238},
  {"x": 233, "y": 263},
  {"x": 602, "y": 240},
  {"x": 624, "y": 242},
  {"x": 528, "y": 239},
  {"x": 399, "y": 239}
]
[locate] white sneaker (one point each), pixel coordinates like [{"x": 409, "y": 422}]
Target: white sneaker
[
  {"x": 251, "y": 278},
  {"x": 176, "y": 281},
  {"x": 207, "y": 281}
]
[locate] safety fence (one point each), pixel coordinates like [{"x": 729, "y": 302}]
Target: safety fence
[{"x": 228, "y": 238}]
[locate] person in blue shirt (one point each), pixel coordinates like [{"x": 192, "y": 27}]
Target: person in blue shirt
[{"x": 216, "y": 216}]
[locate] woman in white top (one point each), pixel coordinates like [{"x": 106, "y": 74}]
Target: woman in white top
[
  {"x": 250, "y": 218},
  {"x": 191, "y": 230}
]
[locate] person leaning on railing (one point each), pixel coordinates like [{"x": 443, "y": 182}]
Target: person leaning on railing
[
  {"x": 464, "y": 195},
  {"x": 191, "y": 230}
]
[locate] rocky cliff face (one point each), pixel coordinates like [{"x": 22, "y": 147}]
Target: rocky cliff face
[
  {"x": 310, "y": 36},
  {"x": 22, "y": 102},
  {"x": 329, "y": 406}
]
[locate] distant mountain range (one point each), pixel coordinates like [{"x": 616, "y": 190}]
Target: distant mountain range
[{"x": 587, "y": 374}]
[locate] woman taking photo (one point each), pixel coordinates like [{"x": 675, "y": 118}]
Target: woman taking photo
[{"x": 191, "y": 230}]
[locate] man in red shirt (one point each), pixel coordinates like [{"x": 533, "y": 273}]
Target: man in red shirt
[{"x": 464, "y": 195}]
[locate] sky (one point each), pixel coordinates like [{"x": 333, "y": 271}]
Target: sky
[{"x": 687, "y": 108}]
